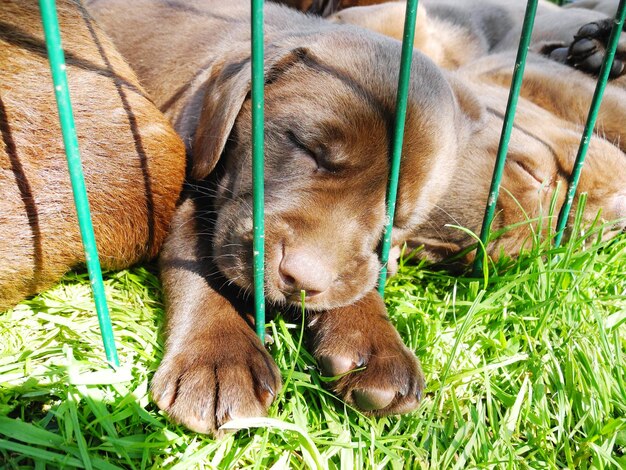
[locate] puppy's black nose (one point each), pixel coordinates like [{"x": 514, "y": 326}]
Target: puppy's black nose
[{"x": 302, "y": 269}]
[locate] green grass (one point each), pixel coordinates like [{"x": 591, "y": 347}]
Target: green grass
[{"x": 525, "y": 369}]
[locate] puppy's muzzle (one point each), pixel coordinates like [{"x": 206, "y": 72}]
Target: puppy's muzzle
[{"x": 302, "y": 269}]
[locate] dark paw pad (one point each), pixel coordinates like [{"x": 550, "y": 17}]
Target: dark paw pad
[{"x": 588, "y": 49}]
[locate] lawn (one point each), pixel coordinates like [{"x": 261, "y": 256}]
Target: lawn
[{"x": 526, "y": 369}]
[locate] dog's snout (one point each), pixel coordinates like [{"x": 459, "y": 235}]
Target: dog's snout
[{"x": 303, "y": 269}]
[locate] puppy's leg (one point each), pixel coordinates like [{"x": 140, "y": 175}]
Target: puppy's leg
[
  {"x": 361, "y": 335},
  {"x": 215, "y": 368}
]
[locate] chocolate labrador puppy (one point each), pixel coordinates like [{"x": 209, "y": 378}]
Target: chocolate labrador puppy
[
  {"x": 541, "y": 156},
  {"x": 548, "y": 124},
  {"x": 133, "y": 160},
  {"x": 330, "y": 99}
]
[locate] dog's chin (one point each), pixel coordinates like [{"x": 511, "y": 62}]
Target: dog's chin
[
  {"x": 319, "y": 302},
  {"x": 280, "y": 299}
]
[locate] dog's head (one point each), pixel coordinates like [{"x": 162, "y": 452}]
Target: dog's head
[
  {"x": 540, "y": 159},
  {"x": 329, "y": 119}
]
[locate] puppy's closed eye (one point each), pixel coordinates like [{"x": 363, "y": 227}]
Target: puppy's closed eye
[
  {"x": 318, "y": 157},
  {"x": 528, "y": 170}
]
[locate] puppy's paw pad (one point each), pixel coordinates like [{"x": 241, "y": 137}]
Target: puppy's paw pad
[
  {"x": 594, "y": 30},
  {"x": 333, "y": 366},
  {"x": 584, "y": 47},
  {"x": 373, "y": 399},
  {"x": 588, "y": 49},
  {"x": 559, "y": 54}
]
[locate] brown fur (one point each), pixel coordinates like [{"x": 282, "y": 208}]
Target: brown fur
[
  {"x": 329, "y": 114},
  {"x": 548, "y": 124},
  {"x": 133, "y": 161}
]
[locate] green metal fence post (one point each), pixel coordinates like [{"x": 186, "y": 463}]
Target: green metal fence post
[
  {"x": 507, "y": 126},
  {"x": 66, "y": 117},
  {"x": 258, "y": 243},
  {"x": 400, "y": 118},
  {"x": 591, "y": 120}
]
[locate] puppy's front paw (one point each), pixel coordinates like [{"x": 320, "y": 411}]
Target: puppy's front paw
[
  {"x": 361, "y": 336},
  {"x": 208, "y": 382}
]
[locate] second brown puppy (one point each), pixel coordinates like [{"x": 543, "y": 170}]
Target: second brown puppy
[
  {"x": 477, "y": 40},
  {"x": 133, "y": 161}
]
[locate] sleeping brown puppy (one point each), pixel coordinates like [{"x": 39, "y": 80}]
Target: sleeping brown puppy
[
  {"x": 133, "y": 160},
  {"x": 330, "y": 98},
  {"x": 548, "y": 124},
  {"x": 541, "y": 155}
]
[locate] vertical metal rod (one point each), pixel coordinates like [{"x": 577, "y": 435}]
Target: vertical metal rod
[
  {"x": 396, "y": 153},
  {"x": 56, "y": 58},
  {"x": 258, "y": 103},
  {"x": 505, "y": 136},
  {"x": 591, "y": 120}
]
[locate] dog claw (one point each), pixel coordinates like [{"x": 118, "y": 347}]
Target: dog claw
[
  {"x": 360, "y": 362},
  {"x": 266, "y": 394},
  {"x": 165, "y": 398},
  {"x": 269, "y": 389}
]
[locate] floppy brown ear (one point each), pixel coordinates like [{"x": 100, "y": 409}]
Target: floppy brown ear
[{"x": 224, "y": 94}]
